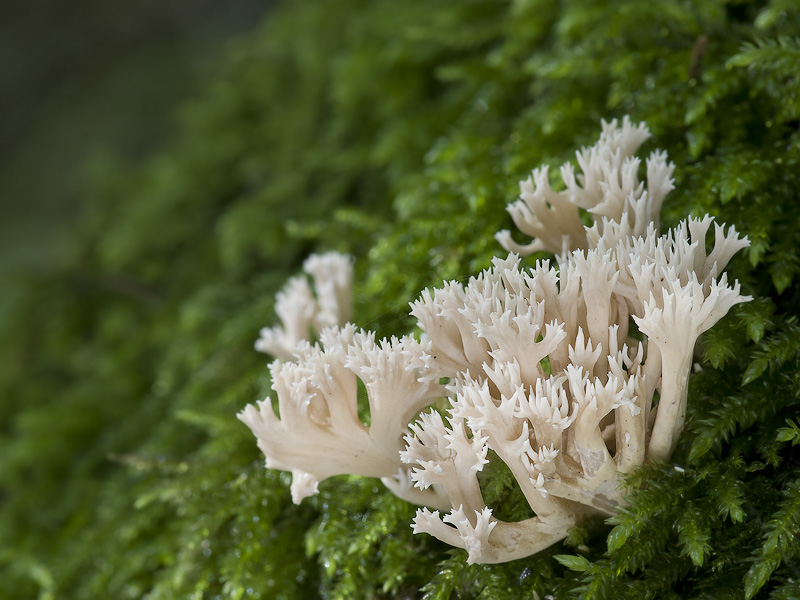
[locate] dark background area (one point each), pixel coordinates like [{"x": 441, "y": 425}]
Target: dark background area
[{"x": 84, "y": 78}]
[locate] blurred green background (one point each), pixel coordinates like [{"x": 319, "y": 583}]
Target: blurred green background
[{"x": 80, "y": 80}]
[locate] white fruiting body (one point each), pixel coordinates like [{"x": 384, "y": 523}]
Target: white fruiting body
[
  {"x": 544, "y": 365},
  {"x": 319, "y": 434},
  {"x": 299, "y": 311},
  {"x": 590, "y": 416},
  {"x": 608, "y": 188}
]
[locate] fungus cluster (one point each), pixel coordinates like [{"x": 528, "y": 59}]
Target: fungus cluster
[{"x": 573, "y": 375}]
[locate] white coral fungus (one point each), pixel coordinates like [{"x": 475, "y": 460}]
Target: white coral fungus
[
  {"x": 319, "y": 433},
  {"x": 544, "y": 366},
  {"x": 607, "y": 187},
  {"x": 299, "y": 311}
]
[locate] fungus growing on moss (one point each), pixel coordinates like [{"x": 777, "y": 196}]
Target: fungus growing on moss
[
  {"x": 607, "y": 403},
  {"x": 541, "y": 364}
]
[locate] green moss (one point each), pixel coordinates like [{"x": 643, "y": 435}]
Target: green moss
[{"x": 397, "y": 132}]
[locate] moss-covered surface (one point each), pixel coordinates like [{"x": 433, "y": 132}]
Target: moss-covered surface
[{"x": 396, "y": 131}]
